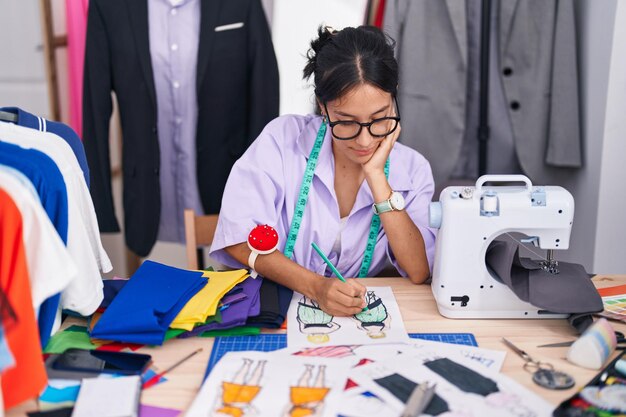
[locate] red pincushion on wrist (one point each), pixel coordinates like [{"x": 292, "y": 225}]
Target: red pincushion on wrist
[{"x": 263, "y": 239}]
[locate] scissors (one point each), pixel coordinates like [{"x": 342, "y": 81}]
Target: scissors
[
  {"x": 543, "y": 373},
  {"x": 621, "y": 342}
]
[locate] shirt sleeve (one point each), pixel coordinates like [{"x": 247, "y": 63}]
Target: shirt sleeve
[
  {"x": 254, "y": 194},
  {"x": 418, "y": 199}
]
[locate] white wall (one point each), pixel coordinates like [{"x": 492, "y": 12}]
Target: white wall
[
  {"x": 610, "y": 250},
  {"x": 596, "y": 24},
  {"x": 22, "y": 70},
  {"x": 294, "y": 25}
]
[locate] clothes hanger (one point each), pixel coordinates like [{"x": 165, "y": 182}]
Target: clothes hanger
[{"x": 8, "y": 117}]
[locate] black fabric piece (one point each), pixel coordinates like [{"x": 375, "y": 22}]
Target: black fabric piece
[
  {"x": 59, "y": 412},
  {"x": 571, "y": 291},
  {"x": 275, "y": 300},
  {"x": 461, "y": 377},
  {"x": 111, "y": 288},
  {"x": 580, "y": 321},
  {"x": 402, "y": 388}
]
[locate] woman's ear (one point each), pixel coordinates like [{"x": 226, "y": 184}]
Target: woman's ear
[{"x": 320, "y": 107}]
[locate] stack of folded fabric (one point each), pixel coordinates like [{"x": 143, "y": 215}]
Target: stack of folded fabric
[
  {"x": 237, "y": 305},
  {"x": 148, "y": 303},
  {"x": 205, "y": 303},
  {"x": 275, "y": 299}
]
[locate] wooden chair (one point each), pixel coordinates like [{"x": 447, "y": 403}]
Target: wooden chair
[{"x": 199, "y": 231}]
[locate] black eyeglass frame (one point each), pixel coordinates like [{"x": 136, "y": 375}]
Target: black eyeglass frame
[{"x": 362, "y": 125}]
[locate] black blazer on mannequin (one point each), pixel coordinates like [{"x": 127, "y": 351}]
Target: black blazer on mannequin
[{"x": 237, "y": 91}]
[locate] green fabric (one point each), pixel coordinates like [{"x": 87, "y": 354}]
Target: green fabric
[
  {"x": 64, "y": 340},
  {"x": 76, "y": 328},
  {"x": 172, "y": 333},
  {"x": 235, "y": 331}
]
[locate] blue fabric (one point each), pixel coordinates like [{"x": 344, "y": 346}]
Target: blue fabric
[
  {"x": 26, "y": 119},
  {"x": 6, "y": 358},
  {"x": 23, "y": 179},
  {"x": 48, "y": 181},
  {"x": 146, "y": 306},
  {"x": 111, "y": 288}
]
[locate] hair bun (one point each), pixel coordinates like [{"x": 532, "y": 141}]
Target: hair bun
[{"x": 324, "y": 37}]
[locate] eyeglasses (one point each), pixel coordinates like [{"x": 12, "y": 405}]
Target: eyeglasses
[{"x": 350, "y": 129}]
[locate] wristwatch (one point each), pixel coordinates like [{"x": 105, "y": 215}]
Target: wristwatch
[
  {"x": 262, "y": 240},
  {"x": 394, "y": 202}
]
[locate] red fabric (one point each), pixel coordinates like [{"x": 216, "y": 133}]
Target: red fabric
[
  {"x": 27, "y": 379},
  {"x": 380, "y": 13}
]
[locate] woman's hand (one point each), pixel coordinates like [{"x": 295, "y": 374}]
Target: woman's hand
[
  {"x": 340, "y": 298},
  {"x": 376, "y": 164}
]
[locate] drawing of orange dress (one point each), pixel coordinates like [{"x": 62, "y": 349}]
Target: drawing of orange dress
[
  {"x": 306, "y": 399},
  {"x": 237, "y": 394}
]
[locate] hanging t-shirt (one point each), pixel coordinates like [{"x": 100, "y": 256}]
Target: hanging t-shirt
[
  {"x": 43, "y": 174},
  {"x": 28, "y": 377},
  {"x": 84, "y": 294},
  {"x": 50, "y": 267},
  {"x": 65, "y": 132}
]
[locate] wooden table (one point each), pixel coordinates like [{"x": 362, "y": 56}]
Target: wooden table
[{"x": 420, "y": 315}]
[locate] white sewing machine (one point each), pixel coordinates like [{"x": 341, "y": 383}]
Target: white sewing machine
[{"x": 469, "y": 219}]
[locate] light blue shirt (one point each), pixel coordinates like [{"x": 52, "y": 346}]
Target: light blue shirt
[
  {"x": 174, "y": 28},
  {"x": 263, "y": 188}
]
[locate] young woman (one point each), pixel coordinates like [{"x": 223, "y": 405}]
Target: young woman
[{"x": 339, "y": 180}]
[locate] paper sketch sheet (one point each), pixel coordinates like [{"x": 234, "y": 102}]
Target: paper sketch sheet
[
  {"x": 490, "y": 359},
  {"x": 309, "y": 326},
  {"x": 463, "y": 386},
  {"x": 359, "y": 401},
  {"x": 261, "y": 384}
]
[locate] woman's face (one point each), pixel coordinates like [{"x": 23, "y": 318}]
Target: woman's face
[{"x": 363, "y": 103}]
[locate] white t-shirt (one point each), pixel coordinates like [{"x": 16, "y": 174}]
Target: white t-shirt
[
  {"x": 85, "y": 293},
  {"x": 50, "y": 267}
]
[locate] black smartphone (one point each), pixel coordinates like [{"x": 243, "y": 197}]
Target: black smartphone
[{"x": 99, "y": 361}]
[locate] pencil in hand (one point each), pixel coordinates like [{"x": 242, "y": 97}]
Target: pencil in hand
[{"x": 331, "y": 266}]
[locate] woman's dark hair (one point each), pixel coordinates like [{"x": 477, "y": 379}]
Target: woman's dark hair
[{"x": 341, "y": 60}]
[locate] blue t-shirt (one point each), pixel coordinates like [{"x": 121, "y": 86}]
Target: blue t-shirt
[
  {"x": 48, "y": 181},
  {"x": 26, "y": 119}
]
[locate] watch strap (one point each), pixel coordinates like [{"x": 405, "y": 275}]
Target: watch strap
[{"x": 382, "y": 207}]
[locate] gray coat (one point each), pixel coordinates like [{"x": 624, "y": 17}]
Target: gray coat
[{"x": 538, "y": 71}]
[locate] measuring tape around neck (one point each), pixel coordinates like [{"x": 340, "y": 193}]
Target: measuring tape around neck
[{"x": 303, "y": 198}]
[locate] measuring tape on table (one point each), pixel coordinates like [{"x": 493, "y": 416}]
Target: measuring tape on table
[{"x": 303, "y": 197}]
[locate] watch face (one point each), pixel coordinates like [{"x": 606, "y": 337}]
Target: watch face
[{"x": 397, "y": 201}]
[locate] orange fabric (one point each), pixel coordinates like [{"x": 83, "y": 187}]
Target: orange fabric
[{"x": 27, "y": 378}]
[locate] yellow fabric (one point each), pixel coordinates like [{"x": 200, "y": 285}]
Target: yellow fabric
[
  {"x": 205, "y": 302},
  {"x": 304, "y": 395},
  {"x": 237, "y": 393}
]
